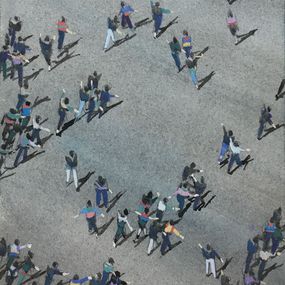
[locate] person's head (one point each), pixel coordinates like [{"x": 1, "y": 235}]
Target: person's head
[
  {"x": 86, "y": 89},
  {"x": 231, "y": 133},
  {"x": 63, "y": 19},
  {"x": 101, "y": 180},
  {"x": 89, "y": 204},
  {"x": 116, "y": 20},
  {"x": 208, "y": 247},
  {"x": 20, "y": 39},
  {"x": 185, "y": 33},
  {"x": 47, "y": 39},
  {"x": 157, "y": 4},
  {"x": 38, "y": 119},
  {"x": 149, "y": 195},
  {"x": 165, "y": 200},
  {"x": 111, "y": 260},
  {"x": 123, "y": 3},
  {"x": 279, "y": 210},
  {"x": 126, "y": 212},
  {"x": 269, "y": 109},
  {"x": 16, "y": 264},
  {"x": 236, "y": 143},
  {"x": 230, "y": 13},
  {"x": 28, "y": 103},
  {"x": 13, "y": 111},
  {"x": 193, "y": 165},
  {"x": 75, "y": 277},
  {"x": 66, "y": 101},
  {"x": 3, "y": 241},
  {"x": 17, "y": 19},
  {"x": 5, "y": 48},
  {"x": 175, "y": 40},
  {"x": 107, "y": 87},
  {"x": 97, "y": 91},
  {"x": 28, "y": 136},
  {"x": 54, "y": 264},
  {"x": 255, "y": 239},
  {"x": 71, "y": 153},
  {"x": 185, "y": 185},
  {"x": 171, "y": 222},
  {"x": 146, "y": 210},
  {"x": 202, "y": 179},
  {"x": 271, "y": 220},
  {"x": 30, "y": 254}
]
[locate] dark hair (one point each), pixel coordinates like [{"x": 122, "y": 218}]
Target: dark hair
[
  {"x": 268, "y": 109},
  {"x": 111, "y": 260},
  {"x": 149, "y": 195},
  {"x": 193, "y": 164},
  {"x": 38, "y": 118},
  {"x": 175, "y": 40},
  {"x": 202, "y": 179},
  {"x": 230, "y": 13},
  {"x": 63, "y": 19},
  {"x": 16, "y": 264},
  {"x": 5, "y": 47},
  {"x": 101, "y": 180},
  {"x": 71, "y": 153},
  {"x": 185, "y": 33},
  {"x": 271, "y": 220},
  {"x": 20, "y": 39},
  {"x": 75, "y": 277},
  {"x": 157, "y": 4},
  {"x": 54, "y": 264},
  {"x": 230, "y": 133},
  {"x": 46, "y": 39},
  {"x": 95, "y": 72},
  {"x": 28, "y": 103},
  {"x": 208, "y": 247},
  {"x": 122, "y": 4},
  {"x": 66, "y": 100},
  {"x": 107, "y": 87},
  {"x": 255, "y": 239},
  {"x": 17, "y": 18},
  {"x": 165, "y": 200},
  {"x": 126, "y": 212},
  {"x": 146, "y": 210},
  {"x": 86, "y": 89},
  {"x": 13, "y": 111},
  {"x": 236, "y": 143},
  {"x": 30, "y": 254},
  {"x": 28, "y": 135},
  {"x": 89, "y": 204},
  {"x": 171, "y": 222}
]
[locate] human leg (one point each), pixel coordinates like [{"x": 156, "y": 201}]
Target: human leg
[
  {"x": 105, "y": 198},
  {"x": 150, "y": 246},
  {"x": 213, "y": 267},
  {"x": 74, "y": 173},
  {"x": 68, "y": 170}
]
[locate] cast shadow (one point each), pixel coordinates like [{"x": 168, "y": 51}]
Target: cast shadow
[
  {"x": 204, "y": 80},
  {"x": 84, "y": 179}
]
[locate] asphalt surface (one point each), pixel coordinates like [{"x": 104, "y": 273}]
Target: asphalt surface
[{"x": 163, "y": 124}]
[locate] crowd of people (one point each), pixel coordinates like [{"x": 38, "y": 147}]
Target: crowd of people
[{"x": 21, "y": 130}]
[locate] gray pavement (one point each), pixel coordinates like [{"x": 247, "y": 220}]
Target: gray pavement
[{"x": 163, "y": 124}]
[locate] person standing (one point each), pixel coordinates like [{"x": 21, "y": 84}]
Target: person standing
[
  {"x": 189, "y": 171},
  {"x": 62, "y": 29},
  {"x": 37, "y": 128},
  {"x": 3, "y": 244},
  {"x": 162, "y": 207},
  {"x": 25, "y": 140},
  {"x": 265, "y": 117},
  {"x": 84, "y": 95},
  {"x": 46, "y": 49},
  {"x": 4, "y": 56},
  {"x": 154, "y": 229},
  {"x": 268, "y": 231},
  {"x": 186, "y": 43},
  {"x": 277, "y": 237},
  {"x": 12, "y": 273},
  {"x": 71, "y": 165},
  {"x": 126, "y": 11},
  {"x": 181, "y": 194},
  {"x": 252, "y": 247},
  {"x": 17, "y": 65},
  {"x": 15, "y": 25},
  {"x": 210, "y": 254},
  {"x": 112, "y": 25},
  {"x": 78, "y": 281},
  {"x": 26, "y": 111},
  {"x": 225, "y": 144},
  {"x": 105, "y": 96},
  {"x": 108, "y": 267},
  {"x": 122, "y": 221},
  {"x": 200, "y": 187},
  {"x": 93, "y": 80},
  {"x": 20, "y": 46},
  {"x": 277, "y": 216},
  {"x": 168, "y": 230},
  {"x": 191, "y": 63},
  {"x": 175, "y": 50},
  {"x": 91, "y": 213},
  {"x": 232, "y": 25},
  {"x": 10, "y": 119},
  {"x": 102, "y": 189},
  {"x": 235, "y": 154},
  {"x": 263, "y": 258},
  {"x": 94, "y": 105},
  {"x": 157, "y": 16},
  {"x": 51, "y": 271}
]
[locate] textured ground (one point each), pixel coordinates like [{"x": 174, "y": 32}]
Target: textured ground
[{"x": 162, "y": 125}]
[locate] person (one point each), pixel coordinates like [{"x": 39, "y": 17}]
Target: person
[
  {"x": 263, "y": 258},
  {"x": 157, "y": 16},
  {"x": 26, "y": 267},
  {"x": 163, "y": 206},
  {"x": 94, "y": 105},
  {"x": 14, "y": 251},
  {"x": 249, "y": 279},
  {"x": 126, "y": 10},
  {"x": 252, "y": 247},
  {"x": 265, "y": 117},
  {"x": 113, "y": 26},
  {"x": 154, "y": 229},
  {"x": 108, "y": 267},
  {"x": 15, "y": 25},
  {"x": 96, "y": 279},
  {"x": 9, "y": 119},
  {"x": 62, "y": 28},
  {"x": 51, "y": 271},
  {"x": 210, "y": 254},
  {"x": 175, "y": 50},
  {"x": 46, "y": 49},
  {"x": 277, "y": 216},
  {"x": 225, "y": 144},
  {"x": 268, "y": 231},
  {"x": 147, "y": 200},
  {"x": 37, "y": 128},
  {"x": 232, "y": 25},
  {"x": 186, "y": 44},
  {"x": 76, "y": 280},
  {"x": 17, "y": 65},
  {"x": 200, "y": 187},
  {"x": 191, "y": 63},
  {"x": 62, "y": 109},
  {"x": 189, "y": 171},
  {"x": 25, "y": 111},
  {"x": 22, "y": 98},
  {"x": 168, "y": 230},
  {"x": 143, "y": 218},
  {"x": 84, "y": 95},
  {"x": 102, "y": 189},
  {"x": 71, "y": 165},
  {"x": 91, "y": 213},
  {"x": 105, "y": 97},
  {"x": 4, "y": 56},
  {"x": 122, "y": 221},
  {"x": 116, "y": 279},
  {"x": 225, "y": 280},
  {"x": 93, "y": 80},
  {"x": 25, "y": 140},
  {"x": 277, "y": 237},
  {"x": 12, "y": 273},
  {"x": 20, "y": 46},
  {"x": 3, "y": 244},
  {"x": 235, "y": 154},
  {"x": 9, "y": 141}
]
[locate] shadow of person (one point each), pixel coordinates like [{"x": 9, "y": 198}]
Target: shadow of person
[
  {"x": 269, "y": 269},
  {"x": 84, "y": 179},
  {"x": 271, "y": 130},
  {"x": 67, "y": 47},
  {"x": 204, "y": 80},
  {"x": 45, "y": 139},
  {"x": 103, "y": 228},
  {"x": 67, "y": 57},
  {"x": 42, "y": 100},
  {"x": 3, "y": 177},
  {"x": 245, "y": 36}
]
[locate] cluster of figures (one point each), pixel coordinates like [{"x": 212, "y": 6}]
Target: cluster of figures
[{"x": 22, "y": 124}]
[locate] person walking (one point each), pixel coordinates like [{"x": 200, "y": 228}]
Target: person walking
[
  {"x": 93, "y": 80},
  {"x": 232, "y": 25},
  {"x": 189, "y": 171},
  {"x": 4, "y": 56},
  {"x": 187, "y": 44},
  {"x": 175, "y": 50},
  {"x": 265, "y": 117},
  {"x": 25, "y": 140},
  {"x": 125, "y": 11},
  {"x": 91, "y": 213},
  {"x": 108, "y": 268},
  {"x": 148, "y": 199},
  {"x": 9, "y": 120},
  {"x": 235, "y": 154},
  {"x": 154, "y": 229},
  {"x": 277, "y": 216},
  {"x": 46, "y": 49},
  {"x": 12, "y": 273},
  {"x": 102, "y": 189},
  {"x": 122, "y": 221},
  {"x": 25, "y": 111},
  {"x": 84, "y": 95},
  {"x": 21, "y": 47},
  {"x": 37, "y": 128},
  {"x": 113, "y": 26},
  {"x": 17, "y": 65},
  {"x": 277, "y": 237},
  {"x": 225, "y": 144},
  {"x": 51, "y": 271},
  {"x": 268, "y": 231},
  {"x": 163, "y": 206},
  {"x": 191, "y": 63},
  {"x": 263, "y": 258},
  {"x": 71, "y": 165},
  {"x": 200, "y": 187},
  {"x": 62, "y": 29},
  {"x": 105, "y": 97},
  {"x": 210, "y": 255},
  {"x": 78, "y": 281},
  {"x": 15, "y": 25},
  {"x": 3, "y": 244},
  {"x": 252, "y": 247},
  {"x": 168, "y": 230},
  {"x": 157, "y": 16}
]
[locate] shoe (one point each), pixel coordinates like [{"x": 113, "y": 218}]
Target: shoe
[
  {"x": 57, "y": 131},
  {"x": 104, "y": 49},
  {"x": 154, "y": 35},
  {"x": 49, "y": 68},
  {"x": 101, "y": 109},
  {"x": 96, "y": 235},
  {"x": 114, "y": 244},
  {"x": 197, "y": 86}
]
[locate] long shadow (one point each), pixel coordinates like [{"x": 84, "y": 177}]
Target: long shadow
[
  {"x": 203, "y": 81},
  {"x": 271, "y": 130},
  {"x": 269, "y": 269},
  {"x": 66, "y": 126},
  {"x": 231, "y": 1},
  {"x": 34, "y": 276},
  {"x": 224, "y": 267},
  {"x": 209, "y": 202},
  {"x": 125, "y": 239},
  {"x": 163, "y": 29},
  {"x": 140, "y": 240},
  {"x": 109, "y": 108},
  {"x": 245, "y": 36},
  {"x": 142, "y": 22},
  {"x": 32, "y": 76},
  {"x": 27, "y": 37},
  {"x": 103, "y": 228},
  {"x": 33, "y": 155},
  {"x": 280, "y": 250},
  {"x": 84, "y": 179},
  {"x": 42, "y": 100},
  {"x": 224, "y": 162},
  {"x": 12, "y": 174},
  {"x": 45, "y": 139},
  {"x": 32, "y": 59},
  {"x": 158, "y": 245},
  {"x": 172, "y": 247},
  {"x": 64, "y": 59},
  {"x": 280, "y": 94},
  {"x": 202, "y": 204},
  {"x": 114, "y": 201},
  {"x": 121, "y": 41},
  {"x": 244, "y": 164},
  {"x": 67, "y": 47}
]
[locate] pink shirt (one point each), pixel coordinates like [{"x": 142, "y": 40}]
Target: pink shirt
[
  {"x": 231, "y": 21},
  {"x": 181, "y": 192}
]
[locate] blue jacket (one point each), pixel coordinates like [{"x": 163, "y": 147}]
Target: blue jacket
[
  {"x": 126, "y": 10},
  {"x": 4, "y": 55},
  {"x": 251, "y": 246},
  {"x": 105, "y": 97},
  {"x": 210, "y": 254}
]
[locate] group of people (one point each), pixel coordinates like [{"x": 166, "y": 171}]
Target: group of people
[{"x": 151, "y": 208}]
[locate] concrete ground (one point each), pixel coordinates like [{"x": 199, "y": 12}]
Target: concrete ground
[{"x": 163, "y": 124}]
